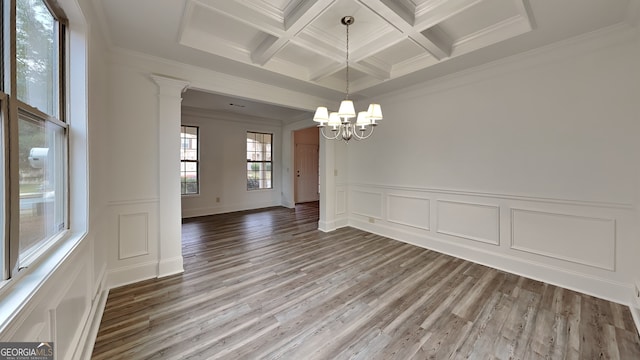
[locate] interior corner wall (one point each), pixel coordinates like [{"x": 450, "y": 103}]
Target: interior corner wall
[
  {"x": 223, "y": 167},
  {"x": 529, "y": 164}
]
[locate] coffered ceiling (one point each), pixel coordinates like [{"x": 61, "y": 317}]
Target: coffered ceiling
[
  {"x": 305, "y": 39},
  {"x": 300, "y": 44}
]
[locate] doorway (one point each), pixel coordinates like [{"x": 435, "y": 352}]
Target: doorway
[{"x": 306, "y": 165}]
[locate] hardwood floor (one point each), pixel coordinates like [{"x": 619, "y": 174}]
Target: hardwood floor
[{"x": 268, "y": 284}]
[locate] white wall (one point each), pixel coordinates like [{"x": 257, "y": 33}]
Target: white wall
[
  {"x": 529, "y": 164},
  {"x": 223, "y": 164}
]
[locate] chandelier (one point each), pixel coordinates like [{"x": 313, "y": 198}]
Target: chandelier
[{"x": 340, "y": 122}]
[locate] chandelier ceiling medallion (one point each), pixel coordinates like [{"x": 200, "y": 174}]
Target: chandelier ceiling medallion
[{"x": 341, "y": 124}]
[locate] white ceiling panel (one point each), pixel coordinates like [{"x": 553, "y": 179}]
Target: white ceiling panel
[
  {"x": 300, "y": 56},
  {"x": 405, "y": 49},
  {"x": 214, "y": 24},
  {"x": 303, "y": 41}
]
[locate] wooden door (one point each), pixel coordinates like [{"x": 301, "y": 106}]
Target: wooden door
[{"x": 306, "y": 173}]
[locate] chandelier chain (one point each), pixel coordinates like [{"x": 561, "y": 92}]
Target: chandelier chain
[{"x": 347, "y": 61}]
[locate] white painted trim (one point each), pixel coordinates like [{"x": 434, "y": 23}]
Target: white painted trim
[
  {"x": 90, "y": 330},
  {"x": 171, "y": 266},
  {"x": 531, "y": 198},
  {"x": 121, "y": 254},
  {"x": 126, "y": 275},
  {"x": 18, "y": 295},
  {"x": 465, "y": 236},
  {"x": 326, "y": 226},
  {"x": 133, "y": 202},
  {"x": 587, "y": 284},
  {"x": 228, "y": 117},
  {"x": 381, "y": 209},
  {"x": 403, "y": 223},
  {"x": 223, "y": 209},
  {"x": 333, "y": 225},
  {"x": 514, "y": 246}
]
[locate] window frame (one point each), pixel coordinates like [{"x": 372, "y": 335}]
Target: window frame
[
  {"x": 270, "y": 162},
  {"x": 197, "y": 161},
  {"x": 10, "y": 111}
]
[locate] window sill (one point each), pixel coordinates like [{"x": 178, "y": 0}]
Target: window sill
[{"x": 18, "y": 291}]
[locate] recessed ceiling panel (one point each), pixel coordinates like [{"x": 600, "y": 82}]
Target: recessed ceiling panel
[
  {"x": 302, "y": 57},
  {"x": 328, "y": 28},
  {"x": 400, "y": 52},
  {"x": 217, "y": 25}
]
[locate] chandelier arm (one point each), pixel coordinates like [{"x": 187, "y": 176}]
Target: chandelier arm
[
  {"x": 358, "y": 137},
  {"x": 338, "y": 132}
]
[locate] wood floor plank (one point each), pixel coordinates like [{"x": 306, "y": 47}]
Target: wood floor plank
[{"x": 266, "y": 284}]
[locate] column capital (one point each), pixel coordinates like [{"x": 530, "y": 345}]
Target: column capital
[{"x": 169, "y": 85}]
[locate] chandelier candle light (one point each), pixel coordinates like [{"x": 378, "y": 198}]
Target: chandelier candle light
[{"x": 340, "y": 122}]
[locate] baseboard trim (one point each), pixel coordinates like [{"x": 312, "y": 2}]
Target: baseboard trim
[
  {"x": 172, "y": 266},
  {"x": 90, "y": 331},
  {"x": 326, "y": 226},
  {"x": 591, "y": 285},
  {"x": 131, "y": 274},
  {"x": 223, "y": 209}
]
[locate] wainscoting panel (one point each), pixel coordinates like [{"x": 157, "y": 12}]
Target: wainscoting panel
[
  {"x": 409, "y": 211},
  {"x": 341, "y": 201},
  {"x": 581, "y": 245},
  {"x": 583, "y": 240},
  {"x": 69, "y": 312},
  {"x": 133, "y": 235},
  {"x": 366, "y": 203},
  {"x": 469, "y": 221},
  {"x": 59, "y": 310},
  {"x": 133, "y": 253}
]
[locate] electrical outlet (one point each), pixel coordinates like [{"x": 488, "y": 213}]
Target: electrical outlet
[
  {"x": 372, "y": 220},
  {"x": 217, "y": 199}
]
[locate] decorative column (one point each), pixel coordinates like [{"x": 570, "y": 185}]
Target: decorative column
[
  {"x": 170, "y": 208},
  {"x": 327, "y": 221}
]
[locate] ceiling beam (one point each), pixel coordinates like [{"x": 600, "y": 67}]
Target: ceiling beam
[
  {"x": 431, "y": 13},
  {"x": 376, "y": 68},
  {"x": 305, "y": 13},
  {"x": 294, "y": 22},
  {"x": 267, "y": 49},
  {"x": 396, "y": 15}
]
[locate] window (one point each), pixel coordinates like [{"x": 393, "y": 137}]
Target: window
[
  {"x": 35, "y": 186},
  {"x": 259, "y": 161},
  {"x": 189, "y": 160}
]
